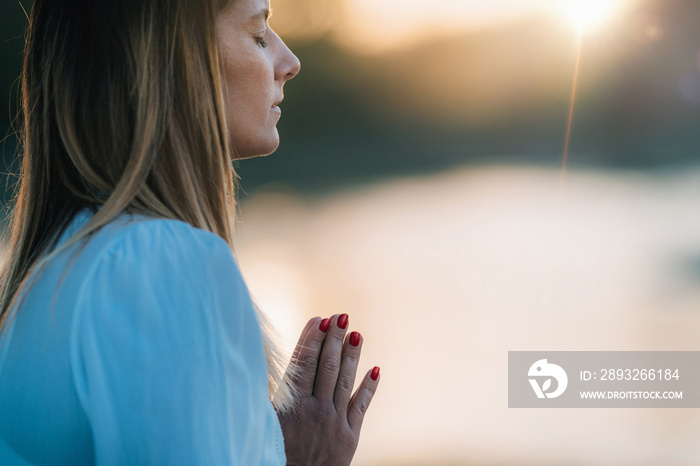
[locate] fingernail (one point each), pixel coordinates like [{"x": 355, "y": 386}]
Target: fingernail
[
  {"x": 375, "y": 373},
  {"x": 323, "y": 326},
  {"x": 355, "y": 339},
  {"x": 343, "y": 321}
]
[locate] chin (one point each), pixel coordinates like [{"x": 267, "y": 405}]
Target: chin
[
  {"x": 253, "y": 154},
  {"x": 259, "y": 150}
]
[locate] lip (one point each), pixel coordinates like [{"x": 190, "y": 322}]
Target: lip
[{"x": 276, "y": 109}]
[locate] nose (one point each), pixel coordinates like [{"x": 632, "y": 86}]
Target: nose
[{"x": 288, "y": 64}]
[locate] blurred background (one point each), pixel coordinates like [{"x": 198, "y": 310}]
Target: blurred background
[{"x": 420, "y": 187}]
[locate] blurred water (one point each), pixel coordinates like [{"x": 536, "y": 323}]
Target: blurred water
[{"x": 444, "y": 274}]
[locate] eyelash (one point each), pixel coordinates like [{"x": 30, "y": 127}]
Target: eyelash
[{"x": 261, "y": 42}]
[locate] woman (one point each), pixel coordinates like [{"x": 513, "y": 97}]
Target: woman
[{"x": 129, "y": 336}]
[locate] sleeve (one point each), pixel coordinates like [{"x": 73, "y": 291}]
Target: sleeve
[{"x": 166, "y": 351}]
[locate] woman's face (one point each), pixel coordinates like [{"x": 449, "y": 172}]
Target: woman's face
[{"x": 255, "y": 66}]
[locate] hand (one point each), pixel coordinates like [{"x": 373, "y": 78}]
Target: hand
[{"x": 324, "y": 429}]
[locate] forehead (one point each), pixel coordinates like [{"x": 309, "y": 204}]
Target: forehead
[{"x": 248, "y": 10}]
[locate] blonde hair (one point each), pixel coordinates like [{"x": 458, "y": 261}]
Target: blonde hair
[{"x": 123, "y": 108}]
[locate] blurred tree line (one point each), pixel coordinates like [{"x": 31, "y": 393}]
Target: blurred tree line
[{"x": 497, "y": 95}]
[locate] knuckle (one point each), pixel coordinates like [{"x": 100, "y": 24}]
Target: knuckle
[
  {"x": 317, "y": 339},
  {"x": 352, "y": 357},
  {"x": 338, "y": 336},
  {"x": 361, "y": 406},
  {"x": 302, "y": 378},
  {"x": 308, "y": 363},
  {"x": 346, "y": 382},
  {"x": 330, "y": 364}
]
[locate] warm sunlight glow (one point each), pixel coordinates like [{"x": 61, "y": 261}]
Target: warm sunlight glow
[
  {"x": 378, "y": 26},
  {"x": 590, "y": 14},
  {"x": 372, "y": 26}
]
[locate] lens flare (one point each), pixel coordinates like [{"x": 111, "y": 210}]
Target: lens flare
[{"x": 590, "y": 14}]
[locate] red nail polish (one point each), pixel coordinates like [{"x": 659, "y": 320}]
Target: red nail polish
[
  {"x": 375, "y": 373},
  {"x": 355, "y": 339},
  {"x": 343, "y": 321},
  {"x": 323, "y": 326}
]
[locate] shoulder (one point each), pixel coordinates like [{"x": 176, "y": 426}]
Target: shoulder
[
  {"x": 160, "y": 262},
  {"x": 166, "y": 349},
  {"x": 145, "y": 244},
  {"x": 161, "y": 273},
  {"x": 158, "y": 236}
]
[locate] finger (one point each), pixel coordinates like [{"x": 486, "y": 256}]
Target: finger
[
  {"x": 348, "y": 370},
  {"x": 305, "y": 364},
  {"x": 329, "y": 362},
  {"x": 313, "y": 321},
  {"x": 361, "y": 400}
]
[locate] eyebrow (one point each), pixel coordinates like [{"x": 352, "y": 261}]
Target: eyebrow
[{"x": 263, "y": 14}]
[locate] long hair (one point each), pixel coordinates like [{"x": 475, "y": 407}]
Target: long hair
[{"x": 123, "y": 110}]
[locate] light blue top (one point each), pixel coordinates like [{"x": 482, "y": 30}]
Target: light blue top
[{"x": 152, "y": 355}]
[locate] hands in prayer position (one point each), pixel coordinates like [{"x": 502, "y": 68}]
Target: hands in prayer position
[{"x": 325, "y": 427}]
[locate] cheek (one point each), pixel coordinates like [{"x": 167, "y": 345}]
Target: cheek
[
  {"x": 249, "y": 93},
  {"x": 248, "y": 81}
]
